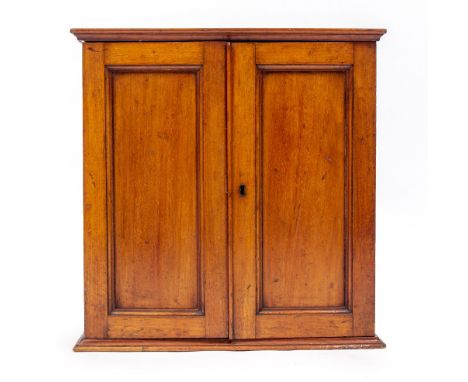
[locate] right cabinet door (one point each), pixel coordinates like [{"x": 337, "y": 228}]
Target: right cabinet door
[{"x": 303, "y": 146}]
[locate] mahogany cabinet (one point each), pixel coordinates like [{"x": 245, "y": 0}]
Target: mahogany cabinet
[{"x": 229, "y": 189}]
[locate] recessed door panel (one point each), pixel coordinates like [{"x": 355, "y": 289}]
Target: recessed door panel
[
  {"x": 156, "y": 190},
  {"x": 302, "y": 189}
]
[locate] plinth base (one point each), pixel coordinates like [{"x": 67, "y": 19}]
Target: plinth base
[{"x": 135, "y": 345}]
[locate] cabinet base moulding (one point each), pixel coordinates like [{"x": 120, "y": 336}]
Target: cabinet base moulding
[{"x": 142, "y": 345}]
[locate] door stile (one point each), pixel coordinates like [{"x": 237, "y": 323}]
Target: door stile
[{"x": 242, "y": 146}]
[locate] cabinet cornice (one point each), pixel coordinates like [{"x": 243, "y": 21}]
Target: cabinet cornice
[{"x": 227, "y": 34}]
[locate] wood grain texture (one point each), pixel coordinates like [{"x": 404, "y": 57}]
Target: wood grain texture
[
  {"x": 156, "y": 134},
  {"x": 228, "y": 34},
  {"x": 229, "y": 185},
  {"x": 157, "y": 326},
  {"x": 154, "y": 53},
  {"x": 94, "y": 187},
  {"x": 304, "y": 325},
  {"x": 160, "y": 270},
  {"x": 214, "y": 243},
  {"x": 176, "y": 257},
  {"x": 363, "y": 234},
  {"x": 302, "y": 186},
  {"x": 297, "y": 180},
  {"x": 95, "y": 345},
  {"x": 243, "y": 228},
  {"x": 304, "y": 53}
]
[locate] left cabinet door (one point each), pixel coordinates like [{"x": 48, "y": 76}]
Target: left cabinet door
[{"x": 155, "y": 190}]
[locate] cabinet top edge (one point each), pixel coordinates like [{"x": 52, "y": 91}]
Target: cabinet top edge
[{"x": 226, "y": 34}]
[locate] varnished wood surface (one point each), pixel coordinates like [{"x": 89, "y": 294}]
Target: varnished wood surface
[
  {"x": 243, "y": 172},
  {"x": 160, "y": 53},
  {"x": 155, "y": 201},
  {"x": 96, "y": 244},
  {"x": 174, "y": 254},
  {"x": 291, "y": 227},
  {"x": 120, "y": 345},
  {"x": 156, "y": 218},
  {"x": 228, "y": 34},
  {"x": 363, "y": 230},
  {"x": 302, "y": 137},
  {"x": 296, "y": 53}
]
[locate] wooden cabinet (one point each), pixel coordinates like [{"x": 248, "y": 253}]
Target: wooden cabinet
[{"x": 229, "y": 189}]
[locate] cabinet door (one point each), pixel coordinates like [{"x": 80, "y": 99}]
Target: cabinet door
[
  {"x": 155, "y": 190},
  {"x": 303, "y": 141}
]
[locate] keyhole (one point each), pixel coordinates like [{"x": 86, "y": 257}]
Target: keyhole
[{"x": 242, "y": 190}]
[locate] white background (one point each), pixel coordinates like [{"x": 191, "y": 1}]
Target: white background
[{"x": 422, "y": 190}]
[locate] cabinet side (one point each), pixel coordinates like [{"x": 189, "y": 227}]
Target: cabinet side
[
  {"x": 94, "y": 183},
  {"x": 363, "y": 189}
]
